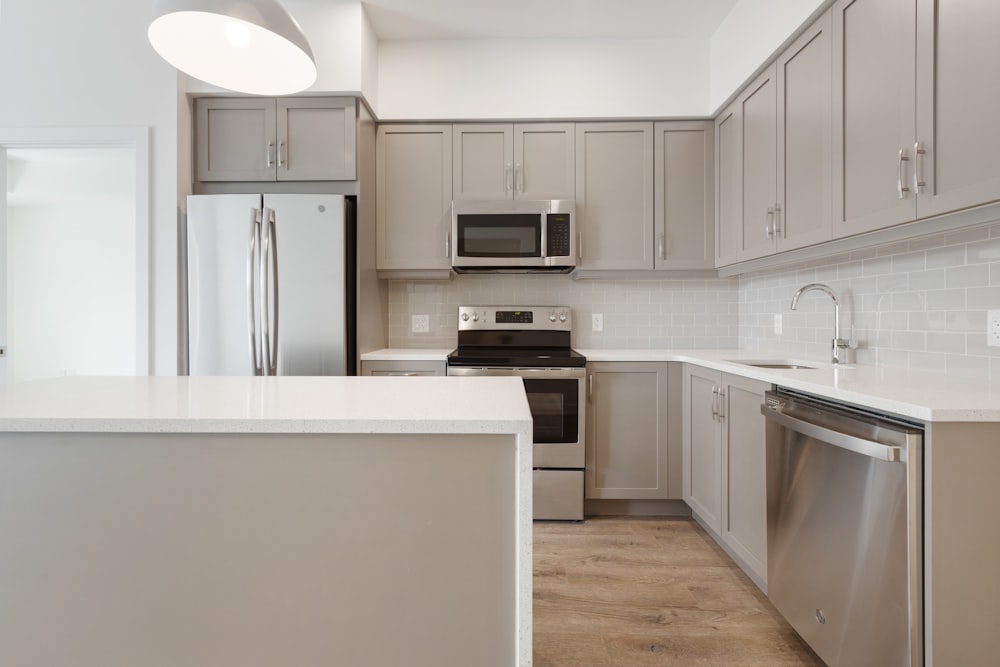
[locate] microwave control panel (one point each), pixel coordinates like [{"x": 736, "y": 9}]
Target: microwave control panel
[{"x": 557, "y": 231}]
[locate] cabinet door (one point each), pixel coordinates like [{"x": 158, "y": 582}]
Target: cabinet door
[
  {"x": 703, "y": 445},
  {"x": 627, "y": 437},
  {"x": 873, "y": 118},
  {"x": 744, "y": 517},
  {"x": 316, "y": 139},
  {"x": 235, "y": 139},
  {"x": 614, "y": 186},
  {"x": 728, "y": 176},
  {"x": 758, "y": 113},
  {"x": 484, "y": 162},
  {"x": 684, "y": 206},
  {"x": 413, "y": 189},
  {"x": 957, "y": 56},
  {"x": 805, "y": 76},
  {"x": 544, "y": 161}
]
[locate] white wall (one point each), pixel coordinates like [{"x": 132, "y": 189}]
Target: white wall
[
  {"x": 70, "y": 64},
  {"x": 537, "y": 79},
  {"x": 752, "y": 34}
]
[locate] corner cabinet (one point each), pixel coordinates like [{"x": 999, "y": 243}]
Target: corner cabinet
[
  {"x": 774, "y": 151},
  {"x": 522, "y": 161},
  {"x": 413, "y": 198},
  {"x": 724, "y": 462},
  {"x": 630, "y": 452},
  {"x": 284, "y": 139}
]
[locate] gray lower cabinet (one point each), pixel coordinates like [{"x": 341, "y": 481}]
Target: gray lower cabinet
[
  {"x": 267, "y": 139},
  {"x": 406, "y": 368},
  {"x": 631, "y": 453},
  {"x": 413, "y": 191},
  {"x": 724, "y": 462}
]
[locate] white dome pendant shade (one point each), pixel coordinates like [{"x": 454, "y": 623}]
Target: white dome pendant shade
[{"x": 249, "y": 46}]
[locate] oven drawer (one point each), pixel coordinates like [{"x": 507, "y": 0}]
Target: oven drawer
[{"x": 558, "y": 495}]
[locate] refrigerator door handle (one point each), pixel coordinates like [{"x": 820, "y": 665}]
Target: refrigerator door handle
[
  {"x": 255, "y": 220},
  {"x": 272, "y": 253}
]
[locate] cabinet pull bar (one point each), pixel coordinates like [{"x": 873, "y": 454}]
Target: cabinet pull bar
[
  {"x": 519, "y": 177},
  {"x": 447, "y": 245},
  {"x": 779, "y": 231},
  {"x": 508, "y": 176},
  {"x": 769, "y": 227},
  {"x": 918, "y": 167},
  {"x": 722, "y": 405},
  {"x": 590, "y": 388},
  {"x": 661, "y": 247},
  {"x": 269, "y": 150},
  {"x": 579, "y": 244},
  {"x": 282, "y": 155},
  {"x": 901, "y": 189},
  {"x": 715, "y": 403}
]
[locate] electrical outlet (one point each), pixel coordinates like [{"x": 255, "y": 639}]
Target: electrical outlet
[
  {"x": 420, "y": 323},
  {"x": 597, "y": 322},
  {"x": 993, "y": 328},
  {"x": 777, "y": 324}
]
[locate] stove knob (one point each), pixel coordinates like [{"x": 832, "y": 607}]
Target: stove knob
[
  {"x": 475, "y": 317},
  {"x": 465, "y": 317},
  {"x": 562, "y": 317},
  {"x": 552, "y": 317}
]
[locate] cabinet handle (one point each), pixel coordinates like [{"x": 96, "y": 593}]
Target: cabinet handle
[
  {"x": 590, "y": 388},
  {"x": 519, "y": 177},
  {"x": 269, "y": 149},
  {"x": 715, "y": 403},
  {"x": 282, "y": 155},
  {"x": 918, "y": 167},
  {"x": 779, "y": 232},
  {"x": 901, "y": 189},
  {"x": 447, "y": 245},
  {"x": 722, "y": 405},
  {"x": 508, "y": 178},
  {"x": 661, "y": 247},
  {"x": 769, "y": 227},
  {"x": 579, "y": 244}
]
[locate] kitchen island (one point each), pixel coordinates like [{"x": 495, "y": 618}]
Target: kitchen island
[{"x": 265, "y": 521}]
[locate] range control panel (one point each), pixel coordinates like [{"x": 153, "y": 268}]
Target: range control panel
[{"x": 522, "y": 318}]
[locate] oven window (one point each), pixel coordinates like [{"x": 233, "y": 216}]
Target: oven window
[
  {"x": 507, "y": 235},
  {"x": 555, "y": 409}
]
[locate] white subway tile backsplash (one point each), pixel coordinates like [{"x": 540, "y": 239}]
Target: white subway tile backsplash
[{"x": 919, "y": 303}]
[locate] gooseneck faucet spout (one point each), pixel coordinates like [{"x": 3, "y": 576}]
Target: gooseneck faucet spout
[{"x": 838, "y": 343}]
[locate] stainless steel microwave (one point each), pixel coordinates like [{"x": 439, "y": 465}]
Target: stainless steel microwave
[{"x": 515, "y": 236}]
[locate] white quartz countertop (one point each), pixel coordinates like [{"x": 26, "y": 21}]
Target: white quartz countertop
[
  {"x": 267, "y": 405},
  {"x": 919, "y": 395}
]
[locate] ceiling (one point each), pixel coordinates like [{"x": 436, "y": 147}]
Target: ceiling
[{"x": 530, "y": 19}]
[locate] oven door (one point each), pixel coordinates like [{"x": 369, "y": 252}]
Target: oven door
[{"x": 557, "y": 401}]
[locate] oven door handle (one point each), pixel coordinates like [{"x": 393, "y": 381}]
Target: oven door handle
[
  {"x": 462, "y": 371},
  {"x": 553, "y": 373}
]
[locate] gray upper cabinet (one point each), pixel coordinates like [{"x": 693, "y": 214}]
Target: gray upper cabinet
[
  {"x": 873, "y": 114},
  {"x": 958, "y": 52},
  {"x": 413, "y": 190},
  {"x": 909, "y": 75},
  {"x": 285, "y": 139},
  {"x": 523, "y": 161},
  {"x": 614, "y": 195},
  {"x": 728, "y": 191},
  {"x": 684, "y": 206},
  {"x": 758, "y": 137}
]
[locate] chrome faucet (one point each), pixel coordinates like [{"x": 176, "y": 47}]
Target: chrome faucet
[{"x": 838, "y": 343}]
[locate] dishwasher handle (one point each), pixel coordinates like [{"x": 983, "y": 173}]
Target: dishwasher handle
[{"x": 865, "y": 447}]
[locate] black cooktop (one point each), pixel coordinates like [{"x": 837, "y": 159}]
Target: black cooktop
[{"x": 517, "y": 357}]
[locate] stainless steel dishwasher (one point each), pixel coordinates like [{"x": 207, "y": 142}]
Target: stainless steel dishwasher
[{"x": 844, "y": 529}]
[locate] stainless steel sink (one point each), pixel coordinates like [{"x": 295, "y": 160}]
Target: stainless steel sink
[{"x": 766, "y": 363}]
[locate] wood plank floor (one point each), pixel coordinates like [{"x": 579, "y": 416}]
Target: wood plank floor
[{"x": 631, "y": 592}]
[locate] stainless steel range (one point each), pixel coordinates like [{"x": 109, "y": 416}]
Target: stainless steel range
[{"x": 533, "y": 343}]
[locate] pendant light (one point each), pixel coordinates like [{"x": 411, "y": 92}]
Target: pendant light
[{"x": 248, "y": 46}]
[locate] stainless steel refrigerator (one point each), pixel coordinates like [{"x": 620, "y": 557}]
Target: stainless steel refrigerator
[{"x": 270, "y": 284}]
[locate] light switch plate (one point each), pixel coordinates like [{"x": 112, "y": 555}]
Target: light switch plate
[
  {"x": 420, "y": 323},
  {"x": 993, "y": 328},
  {"x": 597, "y": 322}
]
